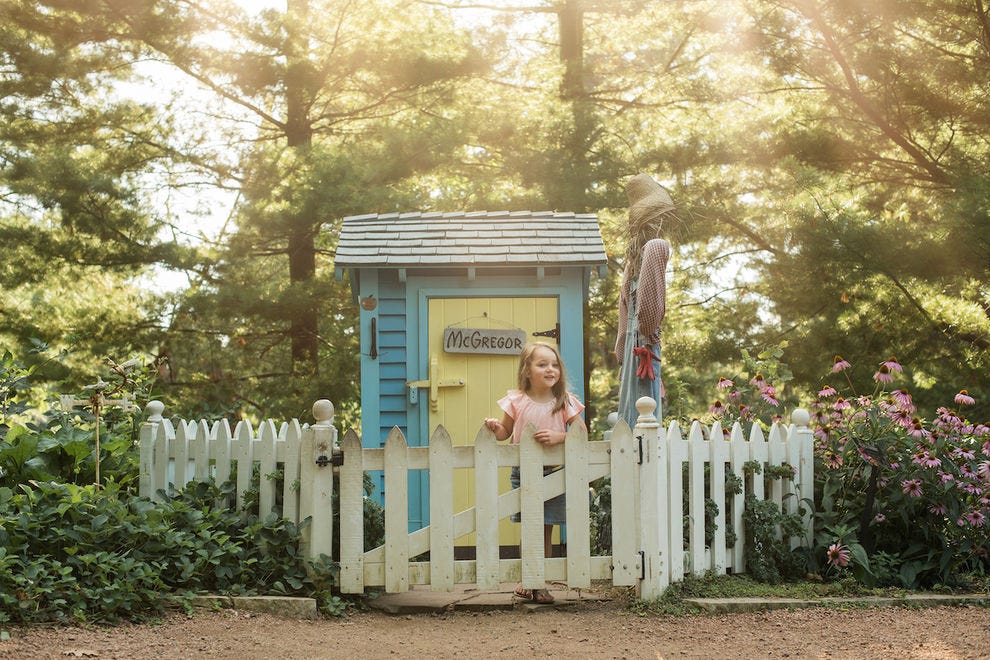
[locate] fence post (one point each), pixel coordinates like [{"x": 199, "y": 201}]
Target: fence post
[
  {"x": 324, "y": 443},
  {"x": 652, "y": 484},
  {"x": 805, "y": 490},
  {"x": 146, "y": 448}
]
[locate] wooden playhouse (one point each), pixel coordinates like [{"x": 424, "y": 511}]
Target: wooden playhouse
[{"x": 446, "y": 301}]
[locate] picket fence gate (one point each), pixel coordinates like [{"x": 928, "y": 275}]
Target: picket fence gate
[{"x": 645, "y": 464}]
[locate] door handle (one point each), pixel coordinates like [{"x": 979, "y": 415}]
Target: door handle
[{"x": 434, "y": 383}]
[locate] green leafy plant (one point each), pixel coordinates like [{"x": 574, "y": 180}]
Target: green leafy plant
[
  {"x": 914, "y": 493},
  {"x": 78, "y": 553}
]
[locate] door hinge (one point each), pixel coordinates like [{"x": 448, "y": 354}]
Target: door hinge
[{"x": 553, "y": 334}]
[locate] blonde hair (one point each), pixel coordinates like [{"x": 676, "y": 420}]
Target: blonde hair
[{"x": 559, "y": 388}]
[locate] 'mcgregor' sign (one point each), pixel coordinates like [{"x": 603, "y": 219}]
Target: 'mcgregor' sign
[{"x": 483, "y": 341}]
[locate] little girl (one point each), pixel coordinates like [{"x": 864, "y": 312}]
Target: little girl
[{"x": 543, "y": 401}]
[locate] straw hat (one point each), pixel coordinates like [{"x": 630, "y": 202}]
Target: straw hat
[{"x": 647, "y": 198}]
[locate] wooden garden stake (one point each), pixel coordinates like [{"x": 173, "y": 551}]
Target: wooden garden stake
[{"x": 98, "y": 400}]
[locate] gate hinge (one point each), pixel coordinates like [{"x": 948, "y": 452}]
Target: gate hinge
[
  {"x": 639, "y": 439},
  {"x": 553, "y": 334},
  {"x": 642, "y": 564}
]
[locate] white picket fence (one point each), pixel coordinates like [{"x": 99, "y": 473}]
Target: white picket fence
[{"x": 645, "y": 464}]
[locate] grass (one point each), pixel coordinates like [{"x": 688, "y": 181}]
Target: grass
[{"x": 710, "y": 585}]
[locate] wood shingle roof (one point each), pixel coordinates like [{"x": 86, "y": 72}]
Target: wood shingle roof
[{"x": 478, "y": 238}]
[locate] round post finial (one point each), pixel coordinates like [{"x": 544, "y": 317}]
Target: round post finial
[
  {"x": 323, "y": 412},
  {"x": 800, "y": 417},
  {"x": 154, "y": 410},
  {"x": 645, "y": 405}
]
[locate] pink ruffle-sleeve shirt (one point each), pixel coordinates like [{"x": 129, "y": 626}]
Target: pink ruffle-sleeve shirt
[{"x": 523, "y": 410}]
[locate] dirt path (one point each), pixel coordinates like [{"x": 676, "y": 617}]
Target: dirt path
[{"x": 604, "y": 630}]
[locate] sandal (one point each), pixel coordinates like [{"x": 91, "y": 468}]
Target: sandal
[
  {"x": 525, "y": 594},
  {"x": 542, "y": 596}
]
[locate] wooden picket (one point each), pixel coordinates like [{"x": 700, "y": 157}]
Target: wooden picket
[
  {"x": 177, "y": 454},
  {"x": 647, "y": 466}
]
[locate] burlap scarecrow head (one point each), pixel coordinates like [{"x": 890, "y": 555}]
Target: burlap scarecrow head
[{"x": 648, "y": 201}]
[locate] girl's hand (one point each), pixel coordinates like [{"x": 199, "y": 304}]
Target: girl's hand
[
  {"x": 502, "y": 429},
  {"x": 549, "y": 438}
]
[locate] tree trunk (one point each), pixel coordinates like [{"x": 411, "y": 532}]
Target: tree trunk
[{"x": 303, "y": 330}]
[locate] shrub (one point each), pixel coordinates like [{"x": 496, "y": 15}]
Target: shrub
[
  {"x": 79, "y": 553},
  {"x": 914, "y": 494}
]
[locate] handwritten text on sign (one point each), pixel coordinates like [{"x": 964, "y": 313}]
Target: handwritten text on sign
[{"x": 483, "y": 341}]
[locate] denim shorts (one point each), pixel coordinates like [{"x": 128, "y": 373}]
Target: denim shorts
[{"x": 554, "y": 511}]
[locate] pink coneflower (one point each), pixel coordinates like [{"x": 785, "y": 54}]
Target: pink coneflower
[
  {"x": 938, "y": 509},
  {"x": 986, "y": 448},
  {"x": 883, "y": 375},
  {"x": 981, "y": 430},
  {"x": 917, "y": 429},
  {"x": 822, "y": 432},
  {"x": 983, "y": 469},
  {"x": 973, "y": 488},
  {"x": 735, "y": 395},
  {"x": 827, "y": 391},
  {"x": 902, "y": 417},
  {"x": 911, "y": 487},
  {"x": 966, "y": 471},
  {"x": 759, "y": 381},
  {"x": 838, "y": 555},
  {"x": 717, "y": 408},
  {"x": 723, "y": 383},
  {"x": 838, "y": 364},
  {"x": 769, "y": 395},
  {"x": 945, "y": 477},
  {"x": 832, "y": 460},
  {"x": 926, "y": 459},
  {"x": 964, "y": 399},
  {"x": 879, "y": 518},
  {"x": 902, "y": 398},
  {"x": 948, "y": 419},
  {"x": 967, "y": 453},
  {"x": 975, "y": 518},
  {"x": 841, "y": 404},
  {"x": 892, "y": 364}
]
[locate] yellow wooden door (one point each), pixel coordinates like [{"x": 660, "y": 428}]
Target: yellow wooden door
[{"x": 486, "y": 377}]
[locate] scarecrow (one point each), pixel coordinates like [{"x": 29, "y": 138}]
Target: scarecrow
[{"x": 642, "y": 301}]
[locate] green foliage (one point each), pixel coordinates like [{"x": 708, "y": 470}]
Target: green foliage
[
  {"x": 912, "y": 492},
  {"x": 59, "y": 445},
  {"x": 72, "y": 553},
  {"x": 14, "y": 381},
  {"x": 768, "y": 533},
  {"x": 601, "y": 517}
]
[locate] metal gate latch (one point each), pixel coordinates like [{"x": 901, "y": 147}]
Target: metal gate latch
[{"x": 434, "y": 383}]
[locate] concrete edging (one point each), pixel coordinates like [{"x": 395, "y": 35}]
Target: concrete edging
[
  {"x": 741, "y": 605},
  {"x": 284, "y": 606}
]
